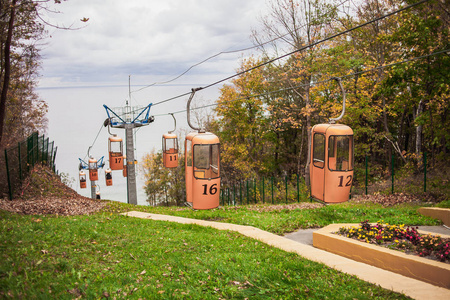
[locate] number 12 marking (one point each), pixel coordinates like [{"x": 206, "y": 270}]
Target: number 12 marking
[{"x": 341, "y": 180}]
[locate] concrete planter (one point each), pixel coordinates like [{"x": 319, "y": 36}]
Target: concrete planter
[{"x": 416, "y": 267}]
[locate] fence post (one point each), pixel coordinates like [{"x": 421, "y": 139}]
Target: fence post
[
  {"x": 240, "y": 191},
  {"x": 272, "y": 188},
  {"x": 286, "y": 182},
  {"x": 366, "y": 174},
  {"x": 263, "y": 191},
  {"x": 54, "y": 159},
  {"x": 20, "y": 163},
  {"x": 7, "y": 175},
  {"x": 392, "y": 173},
  {"x": 254, "y": 190},
  {"x": 425, "y": 172},
  {"x": 234, "y": 193},
  {"x": 247, "y": 190}
]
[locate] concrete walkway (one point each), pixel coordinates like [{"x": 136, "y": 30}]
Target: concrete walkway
[{"x": 411, "y": 287}]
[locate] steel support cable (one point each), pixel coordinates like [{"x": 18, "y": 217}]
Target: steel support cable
[
  {"x": 225, "y": 52},
  {"x": 316, "y": 83},
  {"x": 298, "y": 50},
  {"x": 93, "y": 143}
]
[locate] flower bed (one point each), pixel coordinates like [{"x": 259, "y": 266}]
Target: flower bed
[
  {"x": 421, "y": 268},
  {"x": 398, "y": 237}
]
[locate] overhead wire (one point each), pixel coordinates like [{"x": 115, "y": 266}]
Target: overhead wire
[
  {"x": 316, "y": 83},
  {"x": 295, "y": 51},
  {"x": 291, "y": 53},
  {"x": 93, "y": 143},
  {"x": 226, "y": 52}
]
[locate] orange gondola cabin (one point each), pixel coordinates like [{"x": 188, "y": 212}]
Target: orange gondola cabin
[
  {"x": 115, "y": 149},
  {"x": 108, "y": 177},
  {"x": 93, "y": 170},
  {"x": 82, "y": 179},
  {"x": 331, "y": 164},
  {"x": 170, "y": 150},
  {"x": 124, "y": 168},
  {"x": 202, "y": 167}
]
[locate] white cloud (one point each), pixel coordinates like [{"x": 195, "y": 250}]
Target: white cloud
[{"x": 150, "y": 38}]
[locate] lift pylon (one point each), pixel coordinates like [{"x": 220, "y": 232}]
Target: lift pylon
[{"x": 129, "y": 118}]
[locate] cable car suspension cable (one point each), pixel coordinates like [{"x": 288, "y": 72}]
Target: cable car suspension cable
[
  {"x": 299, "y": 50},
  {"x": 228, "y": 52},
  {"x": 316, "y": 83}
]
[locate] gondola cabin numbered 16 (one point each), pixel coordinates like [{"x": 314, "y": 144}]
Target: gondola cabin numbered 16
[
  {"x": 202, "y": 167},
  {"x": 331, "y": 164},
  {"x": 93, "y": 169}
]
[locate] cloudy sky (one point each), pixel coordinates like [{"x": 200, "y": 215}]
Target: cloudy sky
[{"x": 151, "y": 40}]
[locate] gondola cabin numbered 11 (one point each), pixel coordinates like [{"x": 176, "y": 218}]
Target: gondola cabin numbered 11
[
  {"x": 331, "y": 164},
  {"x": 170, "y": 150}
]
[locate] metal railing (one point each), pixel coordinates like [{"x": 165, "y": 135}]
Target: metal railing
[{"x": 16, "y": 162}]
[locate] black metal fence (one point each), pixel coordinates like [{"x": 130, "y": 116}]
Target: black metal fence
[
  {"x": 271, "y": 190},
  {"x": 369, "y": 178},
  {"x": 16, "y": 162}
]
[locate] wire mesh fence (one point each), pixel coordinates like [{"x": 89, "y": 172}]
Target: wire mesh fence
[{"x": 16, "y": 162}]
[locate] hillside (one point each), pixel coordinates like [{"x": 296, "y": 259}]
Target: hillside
[{"x": 43, "y": 193}]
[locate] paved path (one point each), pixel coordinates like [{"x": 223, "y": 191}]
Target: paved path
[{"x": 411, "y": 287}]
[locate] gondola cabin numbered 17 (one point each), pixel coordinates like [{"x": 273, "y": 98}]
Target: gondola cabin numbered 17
[{"x": 115, "y": 149}]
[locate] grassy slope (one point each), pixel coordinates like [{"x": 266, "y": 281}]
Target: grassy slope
[{"x": 108, "y": 255}]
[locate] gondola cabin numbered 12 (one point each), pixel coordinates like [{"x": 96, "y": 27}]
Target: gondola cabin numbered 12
[{"x": 331, "y": 165}]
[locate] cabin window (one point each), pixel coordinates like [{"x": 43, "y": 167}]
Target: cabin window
[
  {"x": 171, "y": 144},
  {"x": 206, "y": 158},
  {"x": 319, "y": 150},
  {"x": 189, "y": 153},
  {"x": 340, "y": 153},
  {"x": 116, "y": 147}
]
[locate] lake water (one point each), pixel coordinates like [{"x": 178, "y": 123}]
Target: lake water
[{"x": 76, "y": 116}]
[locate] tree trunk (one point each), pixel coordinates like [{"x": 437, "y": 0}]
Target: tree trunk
[{"x": 7, "y": 64}]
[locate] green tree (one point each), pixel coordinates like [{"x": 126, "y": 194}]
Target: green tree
[
  {"x": 163, "y": 186},
  {"x": 19, "y": 29},
  {"x": 242, "y": 126},
  {"x": 296, "y": 24},
  {"x": 419, "y": 90}
]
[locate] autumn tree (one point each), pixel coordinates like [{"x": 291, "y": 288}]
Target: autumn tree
[
  {"x": 419, "y": 89},
  {"x": 296, "y": 25},
  {"x": 21, "y": 30},
  {"x": 241, "y": 125},
  {"x": 163, "y": 186}
]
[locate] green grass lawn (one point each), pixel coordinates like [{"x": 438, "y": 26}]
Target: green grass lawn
[
  {"x": 107, "y": 255},
  {"x": 283, "y": 221}
]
